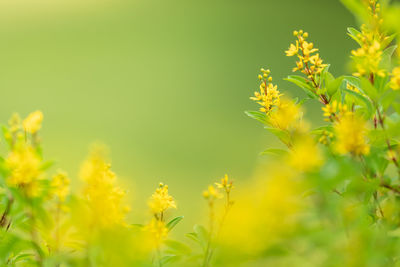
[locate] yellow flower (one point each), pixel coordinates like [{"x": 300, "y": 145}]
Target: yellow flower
[
  {"x": 308, "y": 63},
  {"x": 305, "y": 155},
  {"x": 60, "y": 185},
  {"x": 33, "y": 122},
  {"x": 293, "y": 49},
  {"x": 160, "y": 201},
  {"x": 351, "y": 135},
  {"x": 286, "y": 115},
  {"x": 373, "y": 40},
  {"x": 225, "y": 184},
  {"x": 24, "y": 165},
  {"x": 211, "y": 193},
  {"x": 102, "y": 196},
  {"x": 334, "y": 110},
  {"x": 15, "y": 123},
  {"x": 157, "y": 230},
  {"x": 269, "y": 96},
  {"x": 395, "y": 79}
]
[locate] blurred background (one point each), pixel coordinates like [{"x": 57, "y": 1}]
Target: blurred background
[{"x": 164, "y": 83}]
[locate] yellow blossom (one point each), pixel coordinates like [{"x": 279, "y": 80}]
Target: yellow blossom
[
  {"x": 286, "y": 115},
  {"x": 103, "y": 197},
  {"x": 33, "y": 122},
  {"x": 305, "y": 155},
  {"x": 334, "y": 109},
  {"x": 14, "y": 123},
  {"x": 211, "y": 193},
  {"x": 225, "y": 184},
  {"x": 160, "y": 201},
  {"x": 308, "y": 62},
  {"x": 60, "y": 185},
  {"x": 157, "y": 230},
  {"x": 269, "y": 96},
  {"x": 395, "y": 79},
  {"x": 351, "y": 135},
  {"x": 373, "y": 41},
  {"x": 24, "y": 165}
]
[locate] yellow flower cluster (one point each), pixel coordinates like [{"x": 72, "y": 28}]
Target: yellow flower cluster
[
  {"x": 269, "y": 96},
  {"x": 286, "y": 115},
  {"x": 160, "y": 201},
  {"x": 395, "y": 79},
  {"x": 309, "y": 62},
  {"x": 369, "y": 55},
  {"x": 334, "y": 110},
  {"x": 325, "y": 137},
  {"x": 33, "y": 122},
  {"x": 350, "y": 132},
  {"x": 211, "y": 193},
  {"x": 157, "y": 231},
  {"x": 305, "y": 155},
  {"x": 60, "y": 185},
  {"x": 225, "y": 184},
  {"x": 24, "y": 165},
  {"x": 23, "y": 161},
  {"x": 102, "y": 196}
]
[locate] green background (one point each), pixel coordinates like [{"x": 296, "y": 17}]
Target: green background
[{"x": 163, "y": 83}]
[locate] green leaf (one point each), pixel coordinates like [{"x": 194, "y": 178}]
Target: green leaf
[
  {"x": 176, "y": 247},
  {"x": 257, "y": 115},
  {"x": 353, "y": 33},
  {"x": 333, "y": 85},
  {"x": 202, "y": 235},
  {"x": 284, "y": 136},
  {"x": 169, "y": 259},
  {"x": 172, "y": 223},
  {"x": 388, "y": 98},
  {"x": 274, "y": 152},
  {"x": 387, "y": 41},
  {"x": 369, "y": 89},
  {"x": 303, "y": 84},
  {"x": 364, "y": 102},
  {"x": 194, "y": 237},
  {"x": 386, "y": 61}
]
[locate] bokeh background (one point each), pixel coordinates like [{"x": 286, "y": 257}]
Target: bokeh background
[{"x": 164, "y": 83}]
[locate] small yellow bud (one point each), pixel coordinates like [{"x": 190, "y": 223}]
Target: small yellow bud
[
  {"x": 270, "y": 79},
  {"x": 295, "y": 33},
  {"x": 260, "y": 77},
  {"x": 305, "y": 35}
]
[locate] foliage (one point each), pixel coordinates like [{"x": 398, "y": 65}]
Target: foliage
[{"x": 330, "y": 198}]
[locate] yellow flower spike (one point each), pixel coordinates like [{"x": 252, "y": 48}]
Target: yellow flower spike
[
  {"x": 100, "y": 190},
  {"x": 268, "y": 96},
  {"x": 373, "y": 38},
  {"x": 24, "y": 167},
  {"x": 351, "y": 134},
  {"x": 308, "y": 63},
  {"x": 212, "y": 193},
  {"x": 160, "y": 201},
  {"x": 286, "y": 116},
  {"x": 157, "y": 230},
  {"x": 60, "y": 185},
  {"x": 33, "y": 122},
  {"x": 14, "y": 123},
  {"x": 225, "y": 184},
  {"x": 305, "y": 155}
]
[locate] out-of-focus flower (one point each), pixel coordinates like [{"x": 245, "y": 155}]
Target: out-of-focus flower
[{"x": 33, "y": 122}]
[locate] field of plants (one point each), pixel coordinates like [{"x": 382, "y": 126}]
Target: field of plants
[{"x": 328, "y": 196}]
